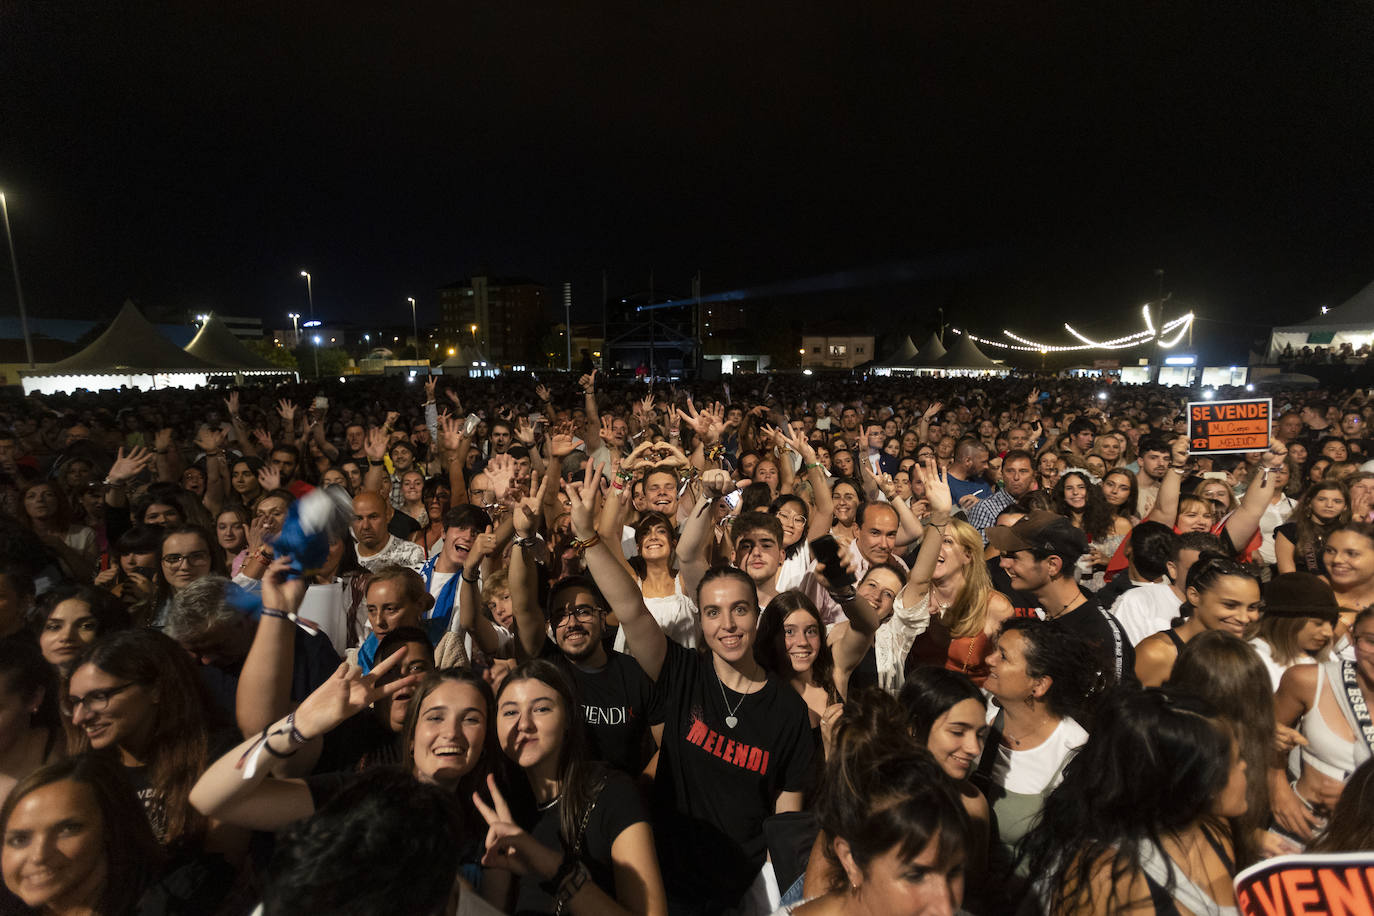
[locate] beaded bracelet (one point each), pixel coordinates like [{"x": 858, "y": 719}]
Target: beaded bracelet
[
  {"x": 714, "y": 452},
  {"x": 581, "y": 545}
]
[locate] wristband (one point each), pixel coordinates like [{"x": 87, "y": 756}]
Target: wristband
[
  {"x": 565, "y": 868},
  {"x": 581, "y": 544},
  {"x": 844, "y": 595},
  {"x": 526, "y": 543},
  {"x": 811, "y": 466},
  {"x": 473, "y": 580},
  {"x": 714, "y": 452}
]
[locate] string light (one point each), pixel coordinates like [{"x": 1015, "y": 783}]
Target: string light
[{"x": 1181, "y": 324}]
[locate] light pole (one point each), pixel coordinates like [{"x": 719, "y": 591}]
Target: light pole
[
  {"x": 415, "y": 326},
  {"x": 18, "y": 291},
  {"x": 317, "y": 356},
  {"x": 295, "y": 328},
  {"x": 474, "y": 340},
  {"x": 309, "y": 293}
]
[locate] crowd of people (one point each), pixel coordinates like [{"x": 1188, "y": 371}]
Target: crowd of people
[{"x": 806, "y": 645}]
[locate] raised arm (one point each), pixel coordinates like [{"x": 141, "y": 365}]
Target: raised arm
[
  {"x": 694, "y": 546},
  {"x": 1165, "y": 510},
  {"x": 593, "y": 431},
  {"x": 823, "y": 510},
  {"x": 941, "y": 501},
  {"x": 1244, "y": 522},
  {"x": 264, "y": 688},
  {"x": 531, "y": 629},
  {"x": 230, "y": 793},
  {"x": 374, "y": 446},
  {"x": 642, "y": 632}
]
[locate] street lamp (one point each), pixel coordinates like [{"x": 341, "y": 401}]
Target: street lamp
[
  {"x": 414, "y": 325},
  {"x": 309, "y": 293},
  {"x": 18, "y": 291},
  {"x": 295, "y": 327}
]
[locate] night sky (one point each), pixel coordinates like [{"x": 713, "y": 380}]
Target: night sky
[{"x": 1026, "y": 163}]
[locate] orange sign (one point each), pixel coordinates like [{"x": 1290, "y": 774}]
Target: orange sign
[
  {"x": 1340, "y": 883},
  {"x": 1217, "y": 427}
]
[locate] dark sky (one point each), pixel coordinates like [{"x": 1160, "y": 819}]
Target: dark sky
[{"x": 1037, "y": 161}]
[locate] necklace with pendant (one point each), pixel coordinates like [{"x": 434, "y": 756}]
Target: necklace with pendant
[{"x": 731, "y": 719}]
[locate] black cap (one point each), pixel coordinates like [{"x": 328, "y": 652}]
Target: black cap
[{"x": 1044, "y": 534}]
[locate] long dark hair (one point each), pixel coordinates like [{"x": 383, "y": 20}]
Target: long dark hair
[
  {"x": 179, "y": 743},
  {"x": 883, "y": 790},
  {"x": 580, "y": 779},
  {"x": 132, "y": 856},
  {"x": 27, "y": 674},
  {"x": 1152, "y": 766},
  {"x": 1127, "y": 509},
  {"x": 1097, "y": 514},
  {"x": 218, "y": 566},
  {"x": 929, "y": 693},
  {"x": 646, "y": 524},
  {"x": 108, "y": 613},
  {"x": 1227, "y": 671},
  {"x": 1311, "y": 534},
  {"x": 770, "y": 649}
]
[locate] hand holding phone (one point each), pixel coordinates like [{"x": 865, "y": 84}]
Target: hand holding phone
[{"x": 827, "y": 551}]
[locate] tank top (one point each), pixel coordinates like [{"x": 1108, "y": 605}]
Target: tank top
[
  {"x": 1326, "y": 752},
  {"x": 676, "y": 615},
  {"x": 1157, "y": 867}
]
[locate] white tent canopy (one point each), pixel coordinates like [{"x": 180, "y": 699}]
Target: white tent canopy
[{"x": 1350, "y": 322}]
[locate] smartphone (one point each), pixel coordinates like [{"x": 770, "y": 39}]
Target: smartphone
[
  {"x": 321, "y": 403},
  {"x": 471, "y": 424},
  {"x": 827, "y": 550},
  {"x": 733, "y": 497}
]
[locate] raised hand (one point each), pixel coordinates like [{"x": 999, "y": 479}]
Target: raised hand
[
  {"x": 1178, "y": 451},
  {"x": 347, "y": 693},
  {"x": 374, "y": 446},
  {"x": 269, "y": 478},
  {"x": 128, "y": 466},
  {"x": 286, "y": 410},
  {"x": 524, "y": 433},
  {"x": 562, "y": 442},
  {"x": 500, "y": 471},
  {"x": 936, "y": 483},
  {"x": 588, "y": 382},
  {"x": 450, "y": 433},
  {"x": 231, "y": 403},
  {"x": 391, "y": 417},
  {"x": 526, "y": 517},
  {"x": 163, "y": 440},
  {"x": 483, "y": 546},
  {"x": 453, "y": 396},
  {"x": 887, "y": 485},
  {"x": 209, "y": 440},
  {"x": 638, "y": 458},
  {"x": 430, "y": 383},
  {"x": 932, "y": 411},
  {"x": 542, "y": 392},
  {"x": 715, "y": 483},
  {"x": 280, "y": 593},
  {"x": 507, "y": 845},
  {"x": 582, "y": 495},
  {"x": 799, "y": 445},
  {"x": 263, "y": 439}
]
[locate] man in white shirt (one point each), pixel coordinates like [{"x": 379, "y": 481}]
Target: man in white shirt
[
  {"x": 376, "y": 546},
  {"x": 1151, "y": 608}
]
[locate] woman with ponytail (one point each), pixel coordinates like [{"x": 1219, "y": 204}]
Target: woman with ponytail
[{"x": 1221, "y": 595}]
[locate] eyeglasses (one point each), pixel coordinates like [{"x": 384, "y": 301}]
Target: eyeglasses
[
  {"x": 583, "y": 613},
  {"x": 191, "y": 559},
  {"x": 97, "y": 700}
]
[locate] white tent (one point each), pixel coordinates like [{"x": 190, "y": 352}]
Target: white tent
[{"x": 1350, "y": 322}]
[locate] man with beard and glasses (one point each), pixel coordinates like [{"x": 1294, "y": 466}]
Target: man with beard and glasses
[{"x": 617, "y": 697}]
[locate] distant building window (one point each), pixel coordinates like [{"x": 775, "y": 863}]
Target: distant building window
[
  {"x": 859, "y": 348},
  {"x": 815, "y": 349},
  {"x": 837, "y": 349}
]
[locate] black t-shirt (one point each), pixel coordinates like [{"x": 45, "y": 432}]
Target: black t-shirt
[
  {"x": 617, "y": 807},
  {"x": 1115, "y": 653},
  {"x": 717, "y": 784},
  {"x": 618, "y": 704},
  {"x": 402, "y": 525},
  {"x": 313, "y": 662},
  {"x": 1300, "y": 557}
]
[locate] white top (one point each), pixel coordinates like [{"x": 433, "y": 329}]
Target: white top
[
  {"x": 795, "y": 567},
  {"x": 1275, "y": 514},
  {"x": 1146, "y": 610},
  {"x": 395, "y": 551},
  {"x": 1266, "y": 654},
  {"x": 1033, "y": 771},
  {"x": 894, "y": 638},
  {"x": 81, "y": 539},
  {"x": 676, "y": 615}
]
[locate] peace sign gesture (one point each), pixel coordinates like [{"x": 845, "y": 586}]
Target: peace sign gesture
[
  {"x": 583, "y": 495},
  {"x": 527, "y": 510},
  {"x": 347, "y": 693},
  {"x": 508, "y": 846}
]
